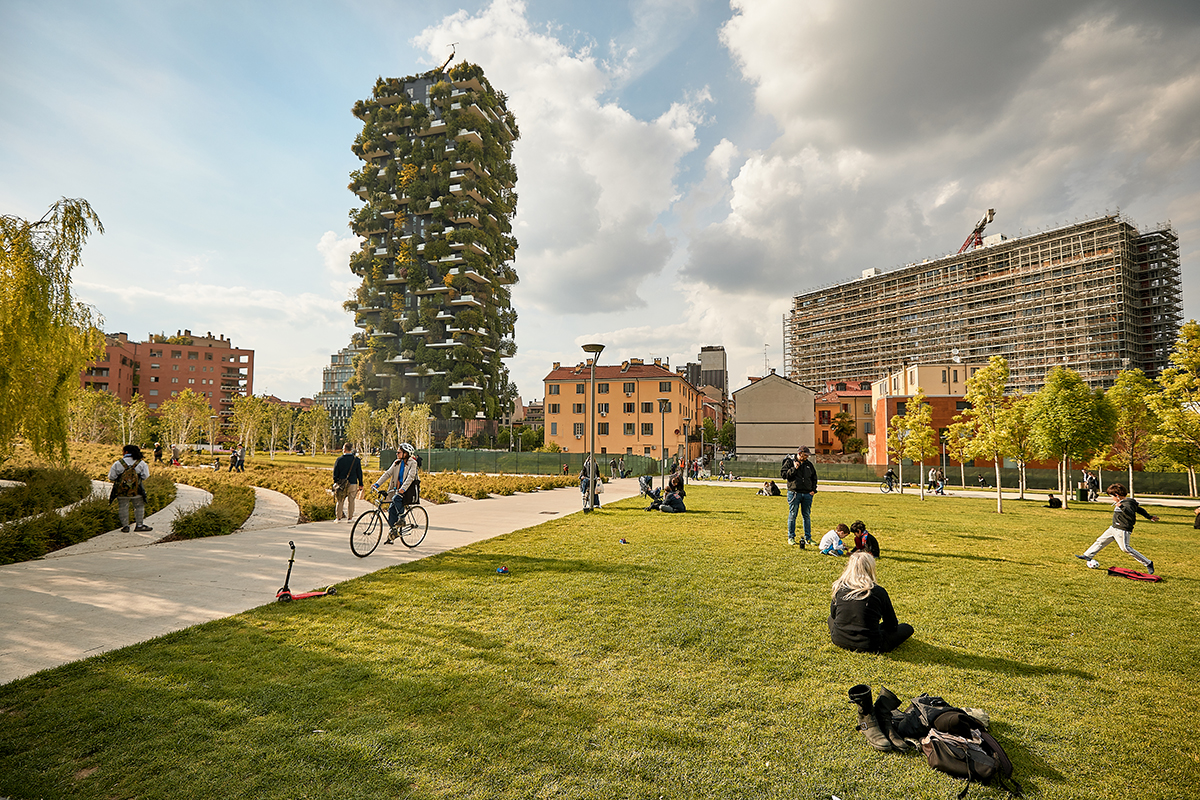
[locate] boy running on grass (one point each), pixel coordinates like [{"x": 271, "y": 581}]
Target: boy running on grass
[{"x": 1125, "y": 509}]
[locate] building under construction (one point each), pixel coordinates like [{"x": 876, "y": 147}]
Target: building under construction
[{"x": 1097, "y": 296}]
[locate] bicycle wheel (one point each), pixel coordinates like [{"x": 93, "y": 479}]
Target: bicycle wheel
[
  {"x": 364, "y": 536},
  {"x": 415, "y": 526},
  {"x": 885, "y": 487}
]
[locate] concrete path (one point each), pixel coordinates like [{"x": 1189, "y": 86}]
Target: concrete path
[
  {"x": 272, "y": 509},
  {"x": 185, "y": 497},
  {"x": 54, "y": 611}
]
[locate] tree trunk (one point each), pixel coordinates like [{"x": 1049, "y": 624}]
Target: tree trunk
[
  {"x": 962, "y": 474},
  {"x": 1067, "y": 476},
  {"x": 999, "y": 491},
  {"x": 900, "y": 463},
  {"x": 1021, "y": 477},
  {"x": 922, "y": 473},
  {"x": 1131, "y": 494}
]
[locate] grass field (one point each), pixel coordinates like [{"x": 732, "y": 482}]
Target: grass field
[{"x": 692, "y": 662}]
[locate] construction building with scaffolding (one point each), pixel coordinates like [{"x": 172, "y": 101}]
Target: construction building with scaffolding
[{"x": 1096, "y": 296}]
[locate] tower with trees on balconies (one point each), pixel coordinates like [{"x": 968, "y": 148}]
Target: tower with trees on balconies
[{"x": 436, "y": 260}]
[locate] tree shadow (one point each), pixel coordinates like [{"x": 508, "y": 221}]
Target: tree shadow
[{"x": 915, "y": 651}]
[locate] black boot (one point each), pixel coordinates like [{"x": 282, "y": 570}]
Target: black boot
[
  {"x": 884, "y": 706},
  {"x": 860, "y": 695}
]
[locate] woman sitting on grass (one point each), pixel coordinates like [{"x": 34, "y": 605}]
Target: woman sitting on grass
[{"x": 861, "y": 617}]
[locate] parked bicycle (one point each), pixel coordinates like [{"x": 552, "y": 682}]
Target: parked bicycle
[{"x": 369, "y": 528}]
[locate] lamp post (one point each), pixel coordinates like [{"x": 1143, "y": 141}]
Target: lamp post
[
  {"x": 662, "y": 450},
  {"x": 687, "y": 449},
  {"x": 595, "y": 350}
]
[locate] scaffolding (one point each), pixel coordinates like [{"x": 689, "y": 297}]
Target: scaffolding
[{"x": 1096, "y": 296}]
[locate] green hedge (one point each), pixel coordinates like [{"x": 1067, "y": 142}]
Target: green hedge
[
  {"x": 231, "y": 506},
  {"x": 44, "y": 490},
  {"x": 47, "y": 532}
]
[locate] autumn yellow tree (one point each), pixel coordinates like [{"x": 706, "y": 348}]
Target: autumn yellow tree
[{"x": 46, "y": 337}]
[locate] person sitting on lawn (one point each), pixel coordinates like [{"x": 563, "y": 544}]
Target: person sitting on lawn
[
  {"x": 863, "y": 540},
  {"x": 1054, "y": 502},
  {"x": 672, "y": 501},
  {"x": 861, "y": 617},
  {"x": 770, "y": 489},
  {"x": 831, "y": 543}
]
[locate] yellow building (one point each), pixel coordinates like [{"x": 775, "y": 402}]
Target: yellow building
[{"x": 641, "y": 409}]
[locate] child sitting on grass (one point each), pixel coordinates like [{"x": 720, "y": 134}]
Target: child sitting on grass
[
  {"x": 863, "y": 540},
  {"x": 831, "y": 543}
]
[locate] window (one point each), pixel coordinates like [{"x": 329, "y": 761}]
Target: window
[
  {"x": 628, "y": 429},
  {"x": 901, "y": 409},
  {"x": 579, "y": 388},
  {"x": 961, "y": 405},
  {"x": 602, "y": 408},
  {"x": 191, "y": 380},
  {"x": 868, "y": 427},
  {"x": 152, "y": 406},
  {"x": 664, "y": 386},
  {"x": 156, "y": 353},
  {"x": 825, "y": 438},
  {"x": 666, "y": 406},
  {"x": 647, "y": 408},
  {"x": 154, "y": 392},
  {"x": 553, "y": 389},
  {"x": 956, "y": 376},
  {"x": 628, "y": 408},
  {"x": 208, "y": 356},
  {"x": 943, "y": 376},
  {"x": 176, "y": 354},
  {"x": 554, "y": 429},
  {"x": 630, "y": 388},
  {"x": 193, "y": 356},
  {"x": 554, "y": 408},
  {"x": 602, "y": 429},
  {"x": 647, "y": 429},
  {"x": 191, "y": 369},
  {"x": 824, "y": 417},
  {"x": 154, "y": 379},
  {"x": 601, "y": 388},
  {"x": 578, "y": 429},
  {"x": 646, "y": 451},
  {"x": 174, "y": 380},
  {"x": 841, "y": 387},
  {"x": 866, "y": 408},
  {"x": 578, "y": 408},
  {"x": 154, "y": 366},
  {"x": 175, "y": 367}
]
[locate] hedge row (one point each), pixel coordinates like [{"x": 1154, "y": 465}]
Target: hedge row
[
  {"x": 47, "y": 532},
  {"x": 44, "y": 490}
]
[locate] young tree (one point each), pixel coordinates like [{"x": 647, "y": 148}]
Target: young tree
[
  {"x": 912, "y": 436},
  {"x": 91, "y": 416},
  {"x": 958, "y": 445},
  {"x": 183, "y": 414},
  {"x": 276, "y": 419},
  {"x": 844, "y": 428},
  {"x": 315, "y": 423},
  {"x": 727, "y": 438},
  {"x": 1070, "y": 421},
  {"x": 133, "y": 421},
  {"x": 1020, "y": 442},
  {"x": 46, "y": 338},
  {"x": 248, "y": 414},
  {"x": 360, "y": 429},
  {"x": 897, "y": 434},
  {"x": 1136, "y": 424},
  {"x": 985, "y": 415},
  {"x": 1177, "y": 403}
]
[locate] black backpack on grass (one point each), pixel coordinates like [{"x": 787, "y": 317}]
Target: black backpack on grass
[{"x": 958, "y": 745}]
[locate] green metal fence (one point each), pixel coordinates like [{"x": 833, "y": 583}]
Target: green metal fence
[
  {"x": 502, "y": 461},
  {"x": 1167, "y": 483}
]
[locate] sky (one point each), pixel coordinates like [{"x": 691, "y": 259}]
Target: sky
[{"x": 685, "y": 166}]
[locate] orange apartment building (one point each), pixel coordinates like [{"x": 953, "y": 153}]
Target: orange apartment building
[
  {"x": 629, "y": 417},
  {"x": 853, "y": 398},
  {"x": 945, "y": 387},
  {"x": 159, "y": 370}
]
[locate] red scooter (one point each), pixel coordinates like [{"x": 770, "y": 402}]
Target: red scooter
[{"x": 285, "y": 595}]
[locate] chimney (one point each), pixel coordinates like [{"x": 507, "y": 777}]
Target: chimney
[{"x": 557, "y": 364}]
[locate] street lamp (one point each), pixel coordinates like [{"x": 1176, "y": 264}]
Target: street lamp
[
  {"x": 595, "y": 350},
  {"x": 687, "y": 448},
  {"x": 662, "y": 450}
]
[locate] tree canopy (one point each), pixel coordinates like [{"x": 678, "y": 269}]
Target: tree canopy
[{"x": 46, "y": 337}]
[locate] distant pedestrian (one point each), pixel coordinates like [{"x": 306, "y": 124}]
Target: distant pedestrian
[
  {"x": 128, "y": 476},
  {"x": 612, "y": 468},
  {"x": 801, "y": 478},
  {"x": 233, "y": 459},
  {"x": 1125, "y": 511},
  {"x": 157, "y": 452},
  {"x": 241, "y": 453},
  {"x": 347, "y": 481},
  {"x": 621, "y": 468}
]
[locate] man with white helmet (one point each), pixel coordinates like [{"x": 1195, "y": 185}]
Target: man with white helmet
[{"x": 399, "y": 485}]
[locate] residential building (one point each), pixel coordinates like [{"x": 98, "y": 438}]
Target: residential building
[
  {"x": 642, "y": 409},
  {"x": 162, "y": 367},
  {"x": 945, "y": 388},
  {"x": 714, "y": 369},
  {"x": 775, "y": 416},
  {"x": 333, "y": 395},
  {"x": 437, "y": 256},
  {"x": 1098, "y": 296},
  {"x": 535, "y": 414},
  {"x": 842, "y": 397}
]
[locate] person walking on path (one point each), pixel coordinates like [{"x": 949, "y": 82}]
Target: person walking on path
[
  {"x": 158, "y": 452},
  {"x": 241, "y": 454},
  {"x": 861, "y": 617},
  {"x": 1125, "y": 511},
  {"x": 347, "y": 481},
  {"x": 801, "y": 478},
  {"x": 127, "y": 476}
]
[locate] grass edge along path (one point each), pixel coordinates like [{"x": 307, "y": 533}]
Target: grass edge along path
[{"x": 693, "y": 661}]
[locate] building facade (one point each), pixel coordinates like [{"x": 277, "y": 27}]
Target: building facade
[
  {"x": 945, "y": 388},
  {"x": 641, "y": 409},
  {"x": 842, "y": 396},
  {"x": 1097, "y": 296},
  {"x": 333, "y": 395},
  {"x": 162, "y": 367},
  {"x": 775, "y": 416},
  {"x": 437, "y": 257}
]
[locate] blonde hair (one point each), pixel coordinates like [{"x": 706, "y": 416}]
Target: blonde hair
[{"x": 858, "y": 576}]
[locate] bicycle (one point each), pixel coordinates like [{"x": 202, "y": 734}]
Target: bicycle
[
  {"x": 369, "y": 527},
  {"x": 886, "y": 487}
]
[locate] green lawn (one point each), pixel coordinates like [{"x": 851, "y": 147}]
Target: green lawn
[{"x": 692, "y": 662}]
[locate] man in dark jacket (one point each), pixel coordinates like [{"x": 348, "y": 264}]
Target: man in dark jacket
[
  {"x": 801, "y": 478},
  {"x": 347, "y": 480}
]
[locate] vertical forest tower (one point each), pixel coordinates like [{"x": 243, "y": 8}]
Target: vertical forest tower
[{"x": 434, "y": 306}]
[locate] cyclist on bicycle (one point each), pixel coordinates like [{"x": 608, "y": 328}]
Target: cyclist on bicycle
[
  {"x": 399, "y": 485},
  {"x": 890, "y": 477}
]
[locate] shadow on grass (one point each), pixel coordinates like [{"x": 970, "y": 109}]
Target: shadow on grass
[
  {"x": 915, "y": 651},
  {"x": 1027, "y": 764},
  {"x": 474, "y": 564},
  {"x": 969, "y": 557}
]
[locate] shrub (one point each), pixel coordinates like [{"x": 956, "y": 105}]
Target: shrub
[
  {"x": 229, "y": 509},
  {"x": 44, "y": 490}
]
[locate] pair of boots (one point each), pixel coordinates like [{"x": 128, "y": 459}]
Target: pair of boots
[{"x": 875, "y": 720}]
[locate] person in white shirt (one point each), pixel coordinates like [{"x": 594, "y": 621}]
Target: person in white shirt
[{"x": 831, "y": 543}]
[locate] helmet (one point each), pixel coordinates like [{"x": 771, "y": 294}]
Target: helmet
[{"x": 408, "y": 448}]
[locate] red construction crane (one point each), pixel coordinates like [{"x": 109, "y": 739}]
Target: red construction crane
[{"x": 976, "y": 237}]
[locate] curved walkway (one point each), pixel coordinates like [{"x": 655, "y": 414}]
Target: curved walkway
[
  {"x": 63, "y": 609},
  {"x": 185, "y": 497},
  {"x": 272, "y": 509}
]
